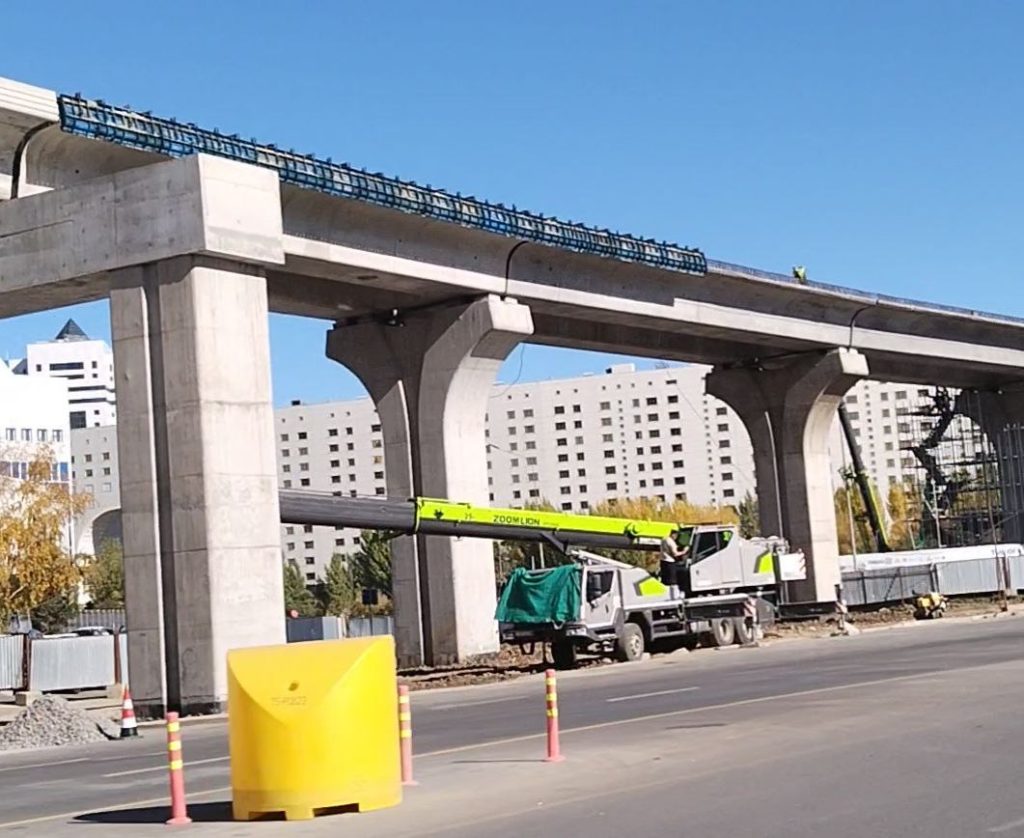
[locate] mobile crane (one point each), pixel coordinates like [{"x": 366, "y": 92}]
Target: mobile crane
[{"x": 593, "y": 603}]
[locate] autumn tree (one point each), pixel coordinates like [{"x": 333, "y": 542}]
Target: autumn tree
[
  {"x": 35, "y": 514},
  {"x": 103, "y": 576},
  {"x": 650, "y": 509}
]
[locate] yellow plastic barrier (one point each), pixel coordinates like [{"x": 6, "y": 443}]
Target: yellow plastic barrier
[{"x": 312, "y": 727}]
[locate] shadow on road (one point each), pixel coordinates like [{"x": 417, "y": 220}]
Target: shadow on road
[{"x": 199, "y": 812}]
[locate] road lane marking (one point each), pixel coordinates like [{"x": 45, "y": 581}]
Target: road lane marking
[
  {"x": 650, "y": 695},
  {"x": 1006, "y": 827},
  {"x": 188, "y": 764},
  {"x": 457, "y": 705},
  {"x": 44, "y": 764},
  {"x": 528, "y": 737},
  {"x": 134, "y": 804}
]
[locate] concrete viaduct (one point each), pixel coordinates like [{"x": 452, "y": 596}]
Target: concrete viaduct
[{"x": 194, "y": 236}]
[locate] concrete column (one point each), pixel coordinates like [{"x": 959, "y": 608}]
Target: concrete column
[
  {"x": 430, "y": 374},
  {"x": 1000, "y": 415},
  {"x": 788, "y": 411},
  {"x": 198, "y": 475}
]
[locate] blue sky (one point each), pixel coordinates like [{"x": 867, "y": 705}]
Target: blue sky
[{"x": 877, "y": 144}]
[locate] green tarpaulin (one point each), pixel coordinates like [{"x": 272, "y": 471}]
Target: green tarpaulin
[{"x": 541, "y": 596}]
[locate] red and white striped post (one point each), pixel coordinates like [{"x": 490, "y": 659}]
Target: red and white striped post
[
  {"x": 176, "y": 766},
  {"x": 405, "y": 734},
  {"x": 551, "y": 699}
]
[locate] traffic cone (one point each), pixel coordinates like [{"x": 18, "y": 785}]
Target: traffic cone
[{"x": 129, "y": 727}]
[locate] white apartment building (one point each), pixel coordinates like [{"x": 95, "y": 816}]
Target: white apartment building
[
  {"x": 33, "y": 415},
  {"x": 88, "y": 367},
  {"x": 95, "y": 473},
  {"x": 572, "y": 442}
]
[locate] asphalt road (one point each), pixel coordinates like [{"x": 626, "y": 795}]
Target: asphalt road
[{"x": 845, "y": 725}]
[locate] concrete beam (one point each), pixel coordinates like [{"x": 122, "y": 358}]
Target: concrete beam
[
  {"x": 788, "y": 411},
  {"x": 59, "y": 247},
  {"x": 430, "y": 378}
]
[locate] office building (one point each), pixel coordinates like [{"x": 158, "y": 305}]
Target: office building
[{"x": 88, "y": 367}]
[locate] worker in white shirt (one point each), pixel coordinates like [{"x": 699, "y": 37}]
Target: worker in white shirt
[{"x": 673, "y": 560}]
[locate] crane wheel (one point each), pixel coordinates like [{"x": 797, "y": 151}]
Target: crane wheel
[{"x": 723, "y": 631}]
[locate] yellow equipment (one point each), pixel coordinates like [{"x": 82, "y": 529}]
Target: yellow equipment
[
  {"x": 313, "y": 727},
  {"x": 929, "y": 606}
]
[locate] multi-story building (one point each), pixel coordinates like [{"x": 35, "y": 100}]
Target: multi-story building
[
  {"x": 95, "y": 472},
  {"x": 571, "y": 442},
  {"x": 33, "y": 416},
  {"x": 88, "y": 367}
]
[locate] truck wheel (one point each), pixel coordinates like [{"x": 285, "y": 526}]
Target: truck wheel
[
  {"x": 723, "y": 631},
  {"x": 746, "y": 635},
  {"x": 630, "y": 646},
  {"x": 563, "y": 654}
]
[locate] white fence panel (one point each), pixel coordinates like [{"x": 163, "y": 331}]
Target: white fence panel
[
  {"x": 12, "y": 653},
  {"x": 70, "y": 663}
]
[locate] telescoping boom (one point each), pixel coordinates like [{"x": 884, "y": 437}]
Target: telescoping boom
[{"x": 442, "y": 517}]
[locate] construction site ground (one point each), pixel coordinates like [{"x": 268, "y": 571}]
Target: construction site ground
[{"x": 512, "y": 662}]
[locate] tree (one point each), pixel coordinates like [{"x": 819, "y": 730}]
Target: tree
[
  {"x": 371, "y": 566},
  {"x": 35, "y": 513},
  {"x": 650, "y": 509},
  {"x": 53, "y": 615},
  {"x": 338, "y": 591},
  {"x": 904, "y": 512},
  {"x": 749, "y": 512},
  {"x": 104, "y": 576},
  {"x": 297, "y": 596}
]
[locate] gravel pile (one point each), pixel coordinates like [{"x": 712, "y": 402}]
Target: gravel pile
[{"x": 51, "y": 721}]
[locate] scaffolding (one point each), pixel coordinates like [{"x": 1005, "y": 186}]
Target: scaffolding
[{"x": 951, "y": 471}]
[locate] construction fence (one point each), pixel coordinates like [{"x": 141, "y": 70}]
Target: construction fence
[
  {"x": 961, "y": 578},
  {"x": 58, "y": 664}
]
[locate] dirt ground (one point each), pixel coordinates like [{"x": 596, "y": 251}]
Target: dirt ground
[{"x": 511, "y": 662}]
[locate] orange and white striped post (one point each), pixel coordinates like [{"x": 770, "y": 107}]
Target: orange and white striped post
[
  {"x": 405, "y": 734},
  {"x": 176, "y": 765},
  {"x": 551, "y": 699}
]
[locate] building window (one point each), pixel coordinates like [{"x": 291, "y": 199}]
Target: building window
[
  {"x": 607, "y": 438},
  {"x": 534, "y": 493},
  {"x": 303, "y": 466},
  {"x": 26, "y": 434},
  {"x": 728, "y": 493},
  {"x": 561, "y": 442},
  {"x": 563, "y": 458},
  {"x": 375, "y": 429},
  {"x": 511, "y": 414},
  {"x": 673, "y": 399},
  {"x": 303, "y": 452},
  {"x": 723, "y": 428},
  {"x": 609, "y": 469},
  {"x": 611, "y": 487},
  {"x": 609, "y": 453},
  {"x": 606, "y": 406},
  {"x": 332, "y": 432},
  {"x": 559, "y": 426},
  {"x": 565, "y": 490},
  {"x": 680, "y": 480},
  {"x": 285, "y": 452},
  {"x": 528, "y": 413},
  {"x": 724, "y": 443},
  {"x": 652, "y": 400},
  {"x": 655, "y": 434},
  {"x": 304, "y": 481},
  {"x": 726, "y": 460},
  {"x": 531, "y": 445}
]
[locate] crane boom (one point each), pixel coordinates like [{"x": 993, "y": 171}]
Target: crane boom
[{"x": 431, "y": 516}]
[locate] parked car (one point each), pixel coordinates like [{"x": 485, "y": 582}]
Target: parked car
[{"x": 92, "y": 631}]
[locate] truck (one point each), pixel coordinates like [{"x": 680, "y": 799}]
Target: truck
[
  {"x": 594, "y": 605},
  {"x": 726, "y": 587}
]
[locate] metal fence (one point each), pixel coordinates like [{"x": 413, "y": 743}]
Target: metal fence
[
  {"x": 108, "y": 618},
  {"x": 370, "y": 626},
  {"x": 12, "y": 661},
  {"x": 73, "y": 663},
  {"x": 974, "y": 576}
]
